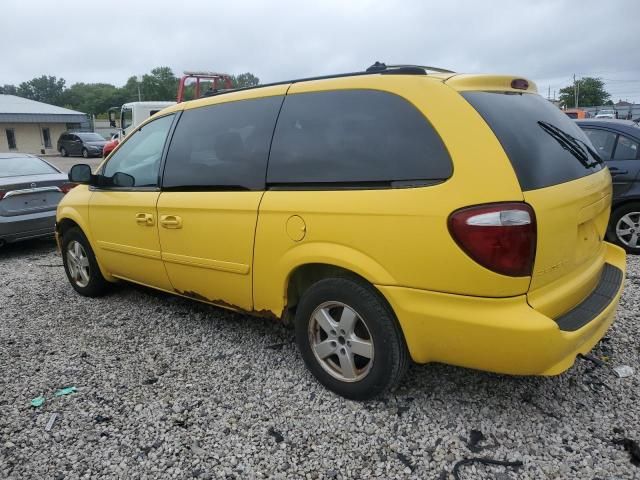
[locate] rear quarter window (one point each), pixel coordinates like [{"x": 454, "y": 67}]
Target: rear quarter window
[
  {"x": 354, "y": 137},
  {"x": 545, "y": 146}
]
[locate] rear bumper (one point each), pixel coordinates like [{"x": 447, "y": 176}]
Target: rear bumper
[
  {"x": 503, "y": 335},
  {"x": 23, "y": 227}
]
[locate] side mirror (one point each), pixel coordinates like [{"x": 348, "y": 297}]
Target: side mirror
[
  {"x": 80, "y": 173},
  {"x": 120, "y": 179}
]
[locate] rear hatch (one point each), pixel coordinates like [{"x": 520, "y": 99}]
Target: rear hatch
[{"x": 564, "y": 181}]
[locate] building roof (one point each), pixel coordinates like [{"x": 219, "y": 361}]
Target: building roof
[{"x": 22, "y": 110}]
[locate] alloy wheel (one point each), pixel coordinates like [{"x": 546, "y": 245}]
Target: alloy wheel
[
  {"x": 628, "y": 229},
  {"x": 341, "y": 341},
  {"x": 78, "y": 264}
]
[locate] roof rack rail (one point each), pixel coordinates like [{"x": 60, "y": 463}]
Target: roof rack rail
[
  {"x": 377, "y": 67},
  {"x": 380, "y": 67}
]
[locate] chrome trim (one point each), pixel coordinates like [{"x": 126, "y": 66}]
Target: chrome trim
[{"x": 26, "y": 191}]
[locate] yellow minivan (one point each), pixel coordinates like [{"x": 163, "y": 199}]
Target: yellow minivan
[{"x": 397, "y": 214}]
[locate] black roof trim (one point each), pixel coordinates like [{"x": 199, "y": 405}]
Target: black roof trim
[{"x": 375, "y": 69}]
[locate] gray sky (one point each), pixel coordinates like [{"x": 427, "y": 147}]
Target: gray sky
[{"x": 108, "y": 41}]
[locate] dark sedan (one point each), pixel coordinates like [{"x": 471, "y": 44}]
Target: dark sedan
[
  {"x": 618, "y": 144},
  {"x": 30, "y": 190},
  {"x": 87, "y": 144}
]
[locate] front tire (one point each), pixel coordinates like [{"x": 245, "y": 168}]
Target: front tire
[
  {"x": 81, "y": 266},
  {"x": 624, "y": 228},
  {"x": 349, "y": 338}
]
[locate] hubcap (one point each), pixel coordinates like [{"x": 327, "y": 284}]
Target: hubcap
[
  {"x": 628, "y": 230},
  {"x": 78, "y": 264},
  {"x": 341, "y": 341}
]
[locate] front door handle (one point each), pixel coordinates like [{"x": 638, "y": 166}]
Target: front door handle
[
  {"x": 145, "y": 219},
  {"x": 171, "y": 221},
  {"x": 616, "y": 171}
]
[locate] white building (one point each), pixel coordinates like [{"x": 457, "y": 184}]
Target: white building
[{"x": 28, "y": 126}]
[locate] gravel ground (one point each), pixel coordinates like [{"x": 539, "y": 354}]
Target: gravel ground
[{"x": 169, "y": 388}]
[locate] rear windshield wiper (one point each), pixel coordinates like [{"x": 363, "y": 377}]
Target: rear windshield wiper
[{"x": 579, "y": 149}]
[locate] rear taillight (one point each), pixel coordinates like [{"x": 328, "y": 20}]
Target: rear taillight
[
  {"x": 2, "y": 194},
  {"x": 66, "y": 187},
  {"x": 499, "y": 236}
]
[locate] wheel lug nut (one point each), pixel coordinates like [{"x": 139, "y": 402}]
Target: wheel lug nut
[
  {"x": 343, "y": 350},
  {"x": 333, "y": 344}
]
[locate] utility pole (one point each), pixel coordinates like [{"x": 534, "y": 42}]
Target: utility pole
[
  {"x": 576, "y": 90},
  {"x": 549, "y": 93},
  {"x": 138, "y": 80}
]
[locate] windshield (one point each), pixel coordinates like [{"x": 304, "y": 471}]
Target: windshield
[
  {"x": 16, "y": 166},
  {"x": 90, "y": 137},
  {"x": 543, "y": 144}
]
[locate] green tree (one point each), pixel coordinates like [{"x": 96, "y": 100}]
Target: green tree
[
  {"x": 244, "y": 80},
  {"x": 8, "y": 89},
  {"x": 591, "y": 93},
  {"x": 94, "y": 98},
  {"x": 160, "y": 84},
  {"x": 45, "y": 89}
]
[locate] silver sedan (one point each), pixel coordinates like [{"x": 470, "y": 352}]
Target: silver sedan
[{"x": 30, "y": 190}]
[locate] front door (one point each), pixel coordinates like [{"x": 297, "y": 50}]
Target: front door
[
  {"x": 212, "y": 186},
  {"x": 122, "y": 217},
  {"x": 620, "y": 154}
]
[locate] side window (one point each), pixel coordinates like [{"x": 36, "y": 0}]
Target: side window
[
  {"x": 223, "y": 146},
  {"x": 603, "y": 140},
  {"x": 626, "y": 149},
  {"x": 140, "y": 154},
  {"x": 354, "y": 136}
]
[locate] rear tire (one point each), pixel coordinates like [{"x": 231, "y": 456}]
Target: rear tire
[
  {"x": 349, "y": 338},
  {"x": 81, "y": 266},
  {"x": 85, "y": 153},
  {"x": 63, "y": 152},
  {"x": 624, "y": 227}
]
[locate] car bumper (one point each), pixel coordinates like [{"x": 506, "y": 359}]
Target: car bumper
[
  {"x": 24, "y": 227},
  {"x": 503, "y": 335}
]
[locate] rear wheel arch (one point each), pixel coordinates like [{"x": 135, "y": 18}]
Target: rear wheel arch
[{"x": 306, "y": 275}]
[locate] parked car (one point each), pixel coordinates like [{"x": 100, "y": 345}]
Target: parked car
[
  {"x": 606, "y": 114},
  {"x": 111, "y": 144},
  {"x": 87, "y": 144},
  {"x": 30, "y": 189},
  {"x": 393, "y": 215},
  {"x": 618, "y": 144}
]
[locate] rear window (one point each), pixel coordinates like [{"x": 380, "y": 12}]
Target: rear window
[
  {"x": 17, "y": 166},
  {"x": 354, "y": 138},
  {"x": 544, "y": 145}
]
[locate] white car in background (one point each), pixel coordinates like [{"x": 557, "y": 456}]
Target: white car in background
[{"x": 606, "y": 114}]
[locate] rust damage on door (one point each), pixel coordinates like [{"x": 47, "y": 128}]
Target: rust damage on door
[{"x": 229, "y": 306}]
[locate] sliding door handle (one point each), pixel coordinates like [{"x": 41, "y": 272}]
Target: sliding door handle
[{"x": 171, "y": 221}]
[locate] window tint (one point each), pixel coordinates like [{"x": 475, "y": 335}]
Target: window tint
[
  {"x": 354, "y": 136},
  {"x": 545, "y": 146},
  {"x": 602, "y": 140},
  {"x": 626, "y": 149},
  {"x": 140, "y": 154},
  {"x": 222, "y": 146}
]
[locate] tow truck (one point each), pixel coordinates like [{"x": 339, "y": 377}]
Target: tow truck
[{"x": 132, "y": 114}]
